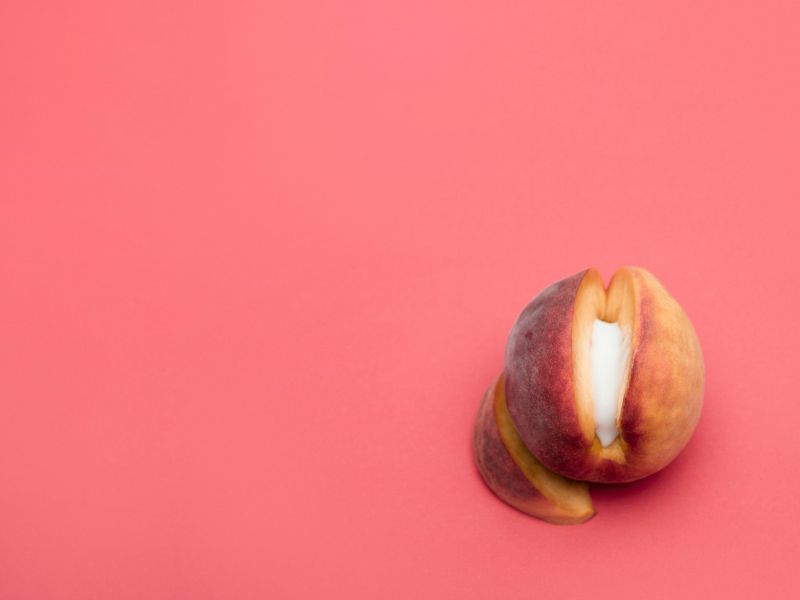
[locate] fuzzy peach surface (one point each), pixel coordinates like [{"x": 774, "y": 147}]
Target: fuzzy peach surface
[
  {"x": 548, "y": 398},
  {"x": 515, "y": 475}
]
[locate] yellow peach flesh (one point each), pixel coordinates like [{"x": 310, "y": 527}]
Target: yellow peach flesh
[{"x": 570, "y": 498}]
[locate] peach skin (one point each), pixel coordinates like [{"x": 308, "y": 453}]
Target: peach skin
[
  {"x": 600, "y": 384},
  {"x": 514, "y": 474}
]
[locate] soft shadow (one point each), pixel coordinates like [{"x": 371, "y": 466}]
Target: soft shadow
[{"x": 653, "y": 484}]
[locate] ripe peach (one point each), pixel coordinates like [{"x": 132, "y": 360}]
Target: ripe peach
[
  {"x": 602, "y": 385},
  {"x": 515, "y": 475}
]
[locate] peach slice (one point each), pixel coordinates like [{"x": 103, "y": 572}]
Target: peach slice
[
  {"x": 514, "y": 474},
  {"x": 601, "y": 384}
]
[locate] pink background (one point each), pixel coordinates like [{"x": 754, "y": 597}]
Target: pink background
[{"x": 259, "y": 260}]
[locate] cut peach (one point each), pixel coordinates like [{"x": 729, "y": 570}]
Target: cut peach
[
  {"x": 604, "y": 384},
  {"x": 514, "y": 474}
]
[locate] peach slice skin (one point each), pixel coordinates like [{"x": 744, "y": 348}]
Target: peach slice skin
[
  {"x": 664, "y": 392},
  {"x": 515, "y": 475}
]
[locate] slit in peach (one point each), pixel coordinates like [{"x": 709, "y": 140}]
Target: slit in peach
[{"x": 602, "y": 349}]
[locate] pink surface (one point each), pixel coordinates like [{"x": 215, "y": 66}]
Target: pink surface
[{"x": 259, "y": 261}]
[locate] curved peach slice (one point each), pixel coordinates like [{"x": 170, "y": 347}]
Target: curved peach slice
[
  {"x": 604, "y": 384},
  {"x": 515, "y": 475}
]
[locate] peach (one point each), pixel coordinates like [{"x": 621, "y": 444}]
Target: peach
[
  {"x": 600, "y": 384},
  {"x": 515, "y": 475}
]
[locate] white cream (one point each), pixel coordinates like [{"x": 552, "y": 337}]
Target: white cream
[{"x": 609, "y": 356}]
